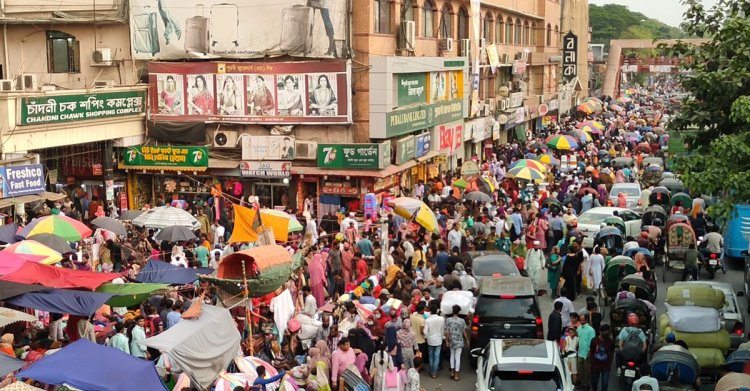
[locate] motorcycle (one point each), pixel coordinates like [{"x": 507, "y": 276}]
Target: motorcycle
[{"x": 711, "y": 261}]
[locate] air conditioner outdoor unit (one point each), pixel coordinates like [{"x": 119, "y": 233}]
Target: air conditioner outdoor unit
[
  {"x": 104, "y": 83},
  {"x": 102, "y": 57},
  {"x": 26, "y": 82},
  {"x": 409, "y": 35},
  {"x": 465, "y": 48},
  {"x": 446, "y": 45},
  {"x": 6, "y": 85},
  {"x": 306, "y": 150},
  {"x": 491, "y": 103},
  {"x": 225, "y": 139}
]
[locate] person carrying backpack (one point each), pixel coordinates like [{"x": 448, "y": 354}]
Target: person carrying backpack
[
  {"x": 602, "y": 350},
  {"x": 631, "y": 341}
]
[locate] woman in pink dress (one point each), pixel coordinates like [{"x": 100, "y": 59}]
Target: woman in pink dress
[
  {"x": 317, "y": 269},
  {"x": 542, "y": 225},
  {"x": 346, "y": 262}
]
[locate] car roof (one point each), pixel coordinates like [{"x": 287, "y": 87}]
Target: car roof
[
  {"x": 484, "y": 253},
  {"x": 530, "y": 354},
  {"x": 627, "y": 184},
  {"x": 606, "y": 210},
  {"x": 507, "y": 285}
]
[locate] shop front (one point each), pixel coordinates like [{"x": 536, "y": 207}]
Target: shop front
[
  {"x": 418, "y": 148},
  {"x": 481, "y": 143}
]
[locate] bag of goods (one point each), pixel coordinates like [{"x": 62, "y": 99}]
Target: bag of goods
[
  {"x": 309, "y": 326},
  {"x": 708, "y": 357},
  {"x": 695, "y": 295},
  {"x": 693, "y": 319},
  {"x": 663, "y": 323},
  {"x": 718, "y": 340},
  {"x": 463, "y": 299}
]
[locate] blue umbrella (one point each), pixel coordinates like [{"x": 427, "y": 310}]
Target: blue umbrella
[
  {"x": 8, "y": 233},
  {"x": 530, "y": 156},
  {"x": 640, "y": 250}
]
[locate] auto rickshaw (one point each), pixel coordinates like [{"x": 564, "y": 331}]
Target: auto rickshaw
[
  {"x": 655, "y": 215},
  {"x": 682, "y": 199},
  {"x": 610, "y": 238},
  {"x": 615, "y": 270},
  {"x": 660, "y": 196},
  {"x": 617, "y": 222},
  {"x": 651, "y": 176},
  {"x": 680, "y": 236},
  {"x": 673, "y": 184}
]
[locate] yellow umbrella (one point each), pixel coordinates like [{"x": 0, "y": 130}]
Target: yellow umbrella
[
  {"x": 525, "y": 173},
  {"x": 416, "y": 210},
  {"x": 35, "y": 248}
]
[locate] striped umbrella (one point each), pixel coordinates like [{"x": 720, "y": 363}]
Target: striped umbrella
[
  {"x": 592, "y": 124},
  {"x": 35, "y": 248},
  {"x": 166, "y": 216},
  {"x": 590, "y": 129},
  {"x": 416, "y": 210},
  {"x": 60, "y": 225},
  {"x": 536, "y": 165},
  {"x": 585, "y": 137},
  {"x": 525, "y": 173},
  {"x": 562, "y": 142},
  {"x": 548, "y": 159},
  {"x": 293, "y": 226}
]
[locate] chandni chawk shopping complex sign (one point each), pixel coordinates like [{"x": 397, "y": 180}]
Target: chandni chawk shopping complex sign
[{"x": 45, "y": 109}]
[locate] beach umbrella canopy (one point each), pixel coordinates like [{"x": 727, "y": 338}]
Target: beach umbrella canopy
[
  {"x": 460, "y": 183},
  {"x": 166, "y": 216},
  {"x": 8, "y": 233},
  {"x": 62, "y": 226},
  {"x": 110, "y": 224},
  {"x": 485, "y": 185},
  {"x": 416, "y": 210},
  {"x": 592, "y": 124},
  {"x": 534, "y": 164},
  {"x": 293, "y": 224},
  {"x": 477, "y": 196},
  {"x": 563, "y": 142},
  {"x": 593, "y": 98},
  {"x": 176, "y": 233},
  {"x": 35, "y": 248},
  {"x": 8, "y": 316},
  {"x": 525, "y": 173},
  {"x": 583, "y": 137},
  {"x": 129, "y": 215},
  {"x": 548, "y": 159},
  {"x": 9, "y": 364},
  {"x": 53, "y": 241}
]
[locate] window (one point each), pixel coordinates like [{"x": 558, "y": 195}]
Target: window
[
  {"x": 382, "y": 16},
  {"x": 446, "y": 23},
  {"x": 407, "y": 7},
  {"x": 509, "y": 31},
  {"x": 487, "y": 28},
  {"x": 557, "y": 36},
  {"x": 428, "y": 20},
  {"x": 527, "y": 33},
  {"x": 517, "y": 35},
  {"x": 63, "y": 53},
  {"x": 533, "y": 33},
  {"x": 549, "y": 34},
  {"x": 499, "y": 29},
  {"x": 463, "y": 24}
]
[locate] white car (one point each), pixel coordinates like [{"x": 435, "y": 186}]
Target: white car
[
  {"x": 590, "y": 222},
  {"x": 632, "y": 193},
  {"x": 521, "y": 365}
]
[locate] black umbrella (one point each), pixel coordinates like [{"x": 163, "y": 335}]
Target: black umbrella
[
  {"x": 176, "y": 233},
  {"x": 110, "y": 224},
  {"x": 52, "y": 241},
  {"x": 477, "y": 196},
  {"x": 129, "y": 215},
  {"x": 8, "y": 233}
]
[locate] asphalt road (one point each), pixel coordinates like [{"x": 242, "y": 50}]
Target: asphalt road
[{"x": 734, "y": 276}]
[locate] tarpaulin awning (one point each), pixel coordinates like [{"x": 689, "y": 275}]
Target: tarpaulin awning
[
  {"x": 48, "y": 196},
  {"x": 165, "y": 273},
  {"x": 57, "y": 277},
  {"x": 257, "y": 258},
  {"x": 10, "y": 262},
  {"x": 10, "y": 289},
  {"x": 186, "y": 132},
  {"x": 88, "y": 366},
  {"x": 62, "y": 301},
  {"x": 203, "y": 347},
  {"x": 9, "y": 364},
  {"x": 8, "y": 316},
  {"x": 129, "y": 294}
]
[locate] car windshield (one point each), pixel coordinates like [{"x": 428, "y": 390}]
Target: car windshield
[
  {"x": 514, "y": 381},
  {"x": 491, "y": 266},
  {"x": 629, "y": 191},
  {"x": 592, "y": 218},
  {"x": 729, "y": 307},
  {"x": 520, "y": 307}
]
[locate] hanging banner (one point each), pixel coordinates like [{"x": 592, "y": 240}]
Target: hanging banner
[
  {"x": 187, "y": 157},
  {"x": 205, "y": 29},
  {"x": 46, "y": 109},
  {"x": 251, "y": 92},
  {"x": 21, "y": 180}
]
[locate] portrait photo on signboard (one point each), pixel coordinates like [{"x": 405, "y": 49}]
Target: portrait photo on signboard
[
  {"x": 438, "y": 86},
  {"x": 322, "y": 96},
  {"x": 291, "y": 89},
  {"x": 230, "y": 95},
  {"x": 455, "y": 83},
  {"x": 169, "y": 89},
  {"x": 261, "y": 98},
  {"x": 200, "y": 94}
]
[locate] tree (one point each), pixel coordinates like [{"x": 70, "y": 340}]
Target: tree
[
  {"x": 613, "y": 21},
  {"x": 718, "y": 82}
]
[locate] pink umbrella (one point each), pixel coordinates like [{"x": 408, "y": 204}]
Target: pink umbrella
[{"x": 10, "y": 262}]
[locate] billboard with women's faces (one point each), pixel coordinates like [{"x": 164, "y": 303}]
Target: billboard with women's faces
[{"x": 271, "y": 93}]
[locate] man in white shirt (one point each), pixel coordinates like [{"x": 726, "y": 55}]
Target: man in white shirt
[
  {"x": 434, "y": 329},
  {"x": 347, "y": 221},
  {"x": 566, "y": 310},
  {"x": 408, "y": 248},
  {"x": 311, "y": 227},
  {"x": 419, "y": 190},
  {"x": 218, "y": 232},
  {"x": 311, "y": 306},
  {"x": 454, "y": 237}
]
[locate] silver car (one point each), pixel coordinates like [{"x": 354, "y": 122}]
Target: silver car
[{"x": 632, "y": 193}]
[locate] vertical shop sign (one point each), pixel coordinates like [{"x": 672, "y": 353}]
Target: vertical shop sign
[{"x": 570, "y": 56}]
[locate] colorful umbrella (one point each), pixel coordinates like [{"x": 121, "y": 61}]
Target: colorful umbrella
[
  {"x": 54, "y": 242},
  {"x": 62, "y": 226},
  {"x": 460, "y": 183},
  {"x": 585, "y": 137},
  {"x": 562, "y": 142},
  {"x": 166, "y": 216},
  {"x": 485, "y": 185},
  {"x": 525, "y": 173},
  {"x": 591, "y": 129},
  {"x": 35, "y": 248},
  {"x": 548, "y": 159},
  {"x": 292, "y": 226},
  {"x": 536, "y": 165},
  {"x": 413, "y": 209},
  {"x": 592, "y": 124}
]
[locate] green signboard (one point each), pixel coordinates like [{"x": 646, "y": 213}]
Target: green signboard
[
  {"x": 411, "y": 119},
  {"x": 412, "y": 88},
  {"x": 166, "y": 156},
  {"x": 63, "y": 108},
  {"x": 354, "y": 156},
  {"x": 406, "y": 149}
]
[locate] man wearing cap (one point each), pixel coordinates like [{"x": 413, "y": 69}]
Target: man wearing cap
[{"x": 534, "y": 264}]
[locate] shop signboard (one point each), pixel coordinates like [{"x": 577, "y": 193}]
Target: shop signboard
[
  {"x": 371, "y": 204},
  {"x": 445, "y": 135},
  {"x": 412, "y": 88},
  {"x": 268, "y": 148},
  {"x": 570, "y": 56},
  {"x": 411, "y": 119},
  {"x": 543, "y": 109},
  {"x": 385, "y": 183},
  {"x": 406, "y": 149},
  {"x": 265, "y": 169},
  {"x": 205, "y": 29},
  {"x": 353, "y": 156},
  {"x": 424, "y": 144},
  {"x": 47, "y": 109},
  {"x": 22, "y": 180},
  {"x": 251, "y": 92},
  {"x": 145, "y": 156},
  {"x": 339, "y": 188},
  {"x": 516, "y": 99}
]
